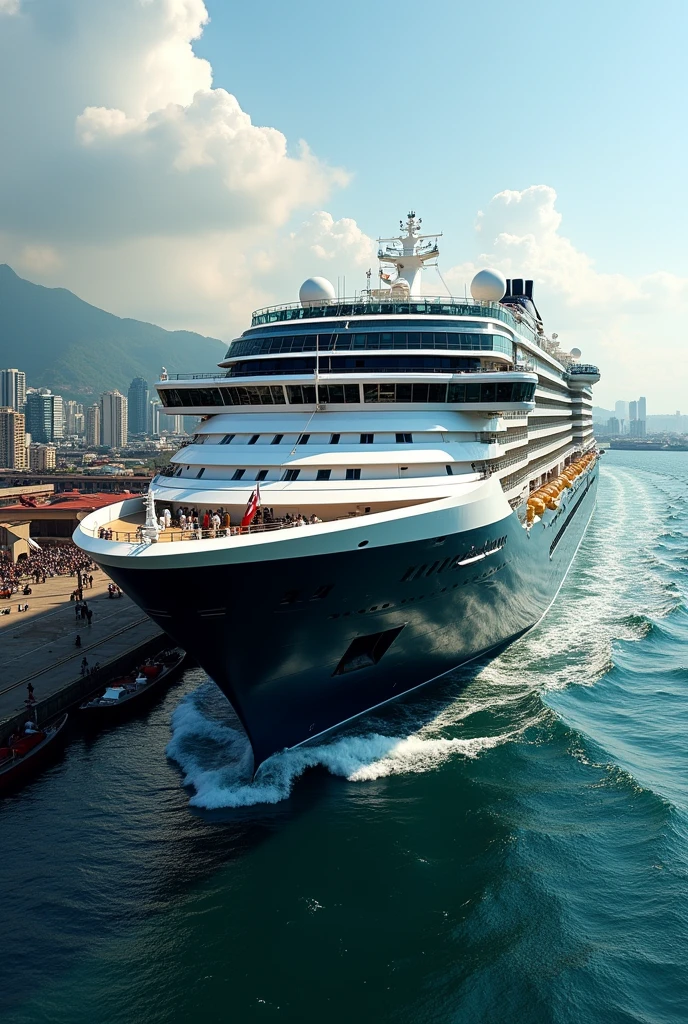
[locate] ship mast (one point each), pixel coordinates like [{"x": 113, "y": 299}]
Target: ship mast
[{"x": 407, "y": 254}]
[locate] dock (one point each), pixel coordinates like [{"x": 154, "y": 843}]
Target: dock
[{"x": 39, "y": 646}]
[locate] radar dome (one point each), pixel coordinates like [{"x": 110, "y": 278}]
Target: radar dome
[
  {"x": 575, "y": 353},
  {"x": 315, "y": 291},
  {"x": 488, "y": 286}
]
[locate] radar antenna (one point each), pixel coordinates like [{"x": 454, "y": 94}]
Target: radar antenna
[{"x": 407, "y": 254}]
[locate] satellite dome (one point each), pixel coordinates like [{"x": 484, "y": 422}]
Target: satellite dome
[
  {"x": 575, "y": 353},
  {"x": 488, "y": 286},
  {"x": 316, "y": 291}
]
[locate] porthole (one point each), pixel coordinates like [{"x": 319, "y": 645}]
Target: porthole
[{"x": 363, "y": 543}]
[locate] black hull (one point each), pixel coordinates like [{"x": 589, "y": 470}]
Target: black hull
[{"x": 277, "y": 636}]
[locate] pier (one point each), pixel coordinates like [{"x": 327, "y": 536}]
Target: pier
[{"x": 39, "y": 645}]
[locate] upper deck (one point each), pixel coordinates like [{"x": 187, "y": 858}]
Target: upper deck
[{"x": 430, "y": 305}]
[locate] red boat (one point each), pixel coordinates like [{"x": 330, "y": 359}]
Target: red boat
[{"x": 25, "y": 754}]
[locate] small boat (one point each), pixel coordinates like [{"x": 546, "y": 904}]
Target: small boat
[
  {"x": 127, "y": 693},
  {"x": 24, "y": 754}
]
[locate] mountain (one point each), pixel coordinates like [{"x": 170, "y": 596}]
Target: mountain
[{"x": 78, "y": 350}]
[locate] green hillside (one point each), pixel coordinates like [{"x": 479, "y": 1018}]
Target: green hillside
[{"x": 78, "y": 350}]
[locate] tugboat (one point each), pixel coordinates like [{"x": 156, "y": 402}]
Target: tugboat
[
  {"x": 26, "y": 753},
  {"x": 125, "y": 694}
]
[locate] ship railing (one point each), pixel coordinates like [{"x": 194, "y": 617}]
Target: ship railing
[
  {"x": 176, "y": 535},
  {"x": 325, "y": 372}
]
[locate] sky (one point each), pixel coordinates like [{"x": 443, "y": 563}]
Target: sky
[{"x": 185, "y": 162}]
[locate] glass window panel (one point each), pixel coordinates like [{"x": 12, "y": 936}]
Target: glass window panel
[
  {"x": 488, "y": 392},
  {"x": 294, "y": 394},
  {"x": 308, "y": 393},
  {"x": 359, "y": 341},
  {"x": 370, "y": 393},
  {"x": 413, "y": 339},
  {"x": 385, "y": 340},
  {"x": 387, "y": 393},
  {"x": 456, "y": 393},
  {"x": 277, "y": 394},
  {"x": 351, "y": 393},
  {"x": 323, "y": 474},
  {"x": 373, "y": 341},
  {"x": 420, "y": 393},
  {"x": 441, "y": 340},
  {"x": 404, "y": 392},
  {"x": 472, "y": 392},
  {"x": 503, "y": 392},
  {"x": 437, "y": 392}
]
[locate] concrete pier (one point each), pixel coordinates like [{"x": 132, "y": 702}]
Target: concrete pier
[{"x": 39, "y": 645}]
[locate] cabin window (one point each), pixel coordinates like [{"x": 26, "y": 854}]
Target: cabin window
[
  {"x": 227, "y": 438},
  {"x": 254, "y": 439},
  {"x": 353, "y": 474},
  {"x": 238, "y": 473},
  {"x": 323, "y": 474},
  {"x": 200, "y": 473},
  {"x": 304, "y": 438},
  {"x": 277, "y": 439},
  {"x": 261, "y": 474},
  {"x": 450, "y": 471},
  {"x": 367, "y": 438},
  {"x": 291, "y": 474},
  {"x": 404, "y": 438},
  {"x": 334, "y": 438}
]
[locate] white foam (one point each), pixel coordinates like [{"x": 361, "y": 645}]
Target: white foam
[{"x": 215, "y": 757}]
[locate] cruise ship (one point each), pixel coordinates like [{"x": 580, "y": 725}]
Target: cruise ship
[{"x": 379, "y": 489}]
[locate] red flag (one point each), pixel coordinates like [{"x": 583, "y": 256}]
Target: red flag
[{"x": 252, "y": 507}]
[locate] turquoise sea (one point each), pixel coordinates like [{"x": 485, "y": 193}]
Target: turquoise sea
[{"x": 511, "y": 847}]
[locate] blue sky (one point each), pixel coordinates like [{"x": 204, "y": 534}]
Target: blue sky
[
  {"x": 152, "y": 159},
  {"x": 445, "y": 105}
]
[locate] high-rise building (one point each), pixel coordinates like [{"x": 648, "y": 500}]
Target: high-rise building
[
  {"x": 12, "y": 439},
  {"x": 73, "y": 416},
  {"x": 642, "y": 417},
  {"x": 42, "y": 457},
  {"x": 613, "y": 425},
  {"x": 154, "y": 416},
  {"x": 13, "y": 389},
  {"x": 113, "y": 419},
  {"x": 93, "y": 425},
  {"x": 621, "y": 413},
  {"x": 137, "y": 417},
  {"x": 44, "y": 416},
  {"x": 172, "y": 424}
]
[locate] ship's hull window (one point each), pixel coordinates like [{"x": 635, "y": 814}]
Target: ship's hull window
[{"x": 366, "y": 651}]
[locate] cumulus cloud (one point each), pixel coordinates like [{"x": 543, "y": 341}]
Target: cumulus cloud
[{"x": 614, "y": 319}]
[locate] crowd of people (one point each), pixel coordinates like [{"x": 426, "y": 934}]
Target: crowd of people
[
  {"x": 217, "y": 523},
  {"x": 56, "y": 560}
]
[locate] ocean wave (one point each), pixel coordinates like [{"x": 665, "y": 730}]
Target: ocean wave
[{"x": 216, "y": 760}]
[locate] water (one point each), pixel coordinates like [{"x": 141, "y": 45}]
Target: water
[{"x": 512, "y": 848}]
